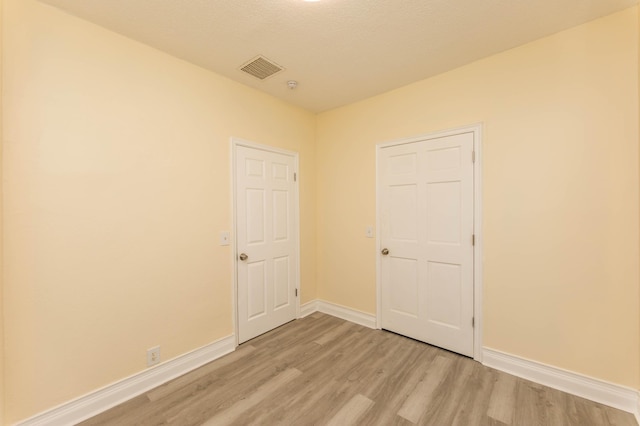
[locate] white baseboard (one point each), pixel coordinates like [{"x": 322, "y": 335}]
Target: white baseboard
[
  {"x": 606, "y": 393},
  {"x": 308, "y": 308},
  {"x": 613, "y": 395},
  {"x": 347, "y": 314},
  {"x": 339, "y": 311},
  {"x": 96, "y": 402},
  {"x": 102, "y": 399}
]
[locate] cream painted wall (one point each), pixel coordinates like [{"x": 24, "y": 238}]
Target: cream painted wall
[
  {"x": 1, "y": 282},
  {"x": 117, "y": 184},
  {"x": 561, "y": 267}
]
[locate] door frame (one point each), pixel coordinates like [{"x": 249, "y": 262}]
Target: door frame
[
  {"x": 235, "y": 143},
  {"x": 476, "y": 130}
]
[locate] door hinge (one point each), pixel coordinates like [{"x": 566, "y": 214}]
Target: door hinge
[
  {"x": 473, "y": 239},
  {"x": 296, "y": 292},
  {"x": 473, "y": 156},
  {"x": 295, "y": 177},
  {"x": 473, "y": 321}
]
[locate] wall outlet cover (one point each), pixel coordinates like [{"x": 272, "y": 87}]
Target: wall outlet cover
[{"x": 153, "y": 356}]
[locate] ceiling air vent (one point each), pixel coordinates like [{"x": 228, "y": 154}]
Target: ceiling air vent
[{"x": 260, "y": 67}]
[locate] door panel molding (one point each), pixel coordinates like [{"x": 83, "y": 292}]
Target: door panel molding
[
  {"x": 237, "y": 143},
  {"x": 476, "y": 130}
]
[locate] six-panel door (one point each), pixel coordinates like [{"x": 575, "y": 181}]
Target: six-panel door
[
  {"x": 266, "y": 234},
  {"x": 426, "y": 208}
]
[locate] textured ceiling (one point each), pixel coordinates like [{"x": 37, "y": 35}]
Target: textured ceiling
[{"x": 339, "y": 51}]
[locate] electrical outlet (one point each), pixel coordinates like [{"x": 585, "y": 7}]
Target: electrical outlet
[{"x": 153, "y": 356}]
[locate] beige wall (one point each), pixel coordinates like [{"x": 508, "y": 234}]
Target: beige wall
[
  {"x": 561, "y": 266},
  {"x": 1, "y": 282},
  {"x": 117, "y": 184}
]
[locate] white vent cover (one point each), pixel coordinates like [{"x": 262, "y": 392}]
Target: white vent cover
[{"x": 261, "y": 67}]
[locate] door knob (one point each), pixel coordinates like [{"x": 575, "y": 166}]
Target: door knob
[
  {"x": 243, "y": 257},
  {"x": 385, "y": 251}
]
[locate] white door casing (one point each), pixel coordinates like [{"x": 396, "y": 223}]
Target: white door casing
[
  {"x": 426, "y": 221},
  {"x": 266, "y": 209}
]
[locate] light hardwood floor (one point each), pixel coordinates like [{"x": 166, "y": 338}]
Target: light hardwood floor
[{"x": 321, "y": 370}]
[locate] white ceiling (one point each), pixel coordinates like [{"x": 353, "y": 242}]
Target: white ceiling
[{"x": 340, "y": 51}]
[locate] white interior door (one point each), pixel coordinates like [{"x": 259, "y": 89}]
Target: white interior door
[
  {"x": 266, "y": 240},
  {"x": 426, "y": 220}
]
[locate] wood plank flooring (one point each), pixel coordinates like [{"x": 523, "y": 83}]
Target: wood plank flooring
[{"x": 321, "y": 370}]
